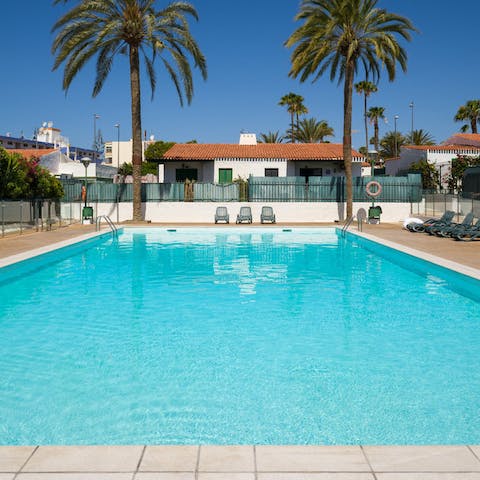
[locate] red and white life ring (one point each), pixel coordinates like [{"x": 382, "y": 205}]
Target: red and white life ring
[
  {"x": 373, "y": 193},
  {"x": 84, "y": 193}
]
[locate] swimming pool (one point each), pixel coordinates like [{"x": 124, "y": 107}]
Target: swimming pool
[{"x": 237, "y": 336}]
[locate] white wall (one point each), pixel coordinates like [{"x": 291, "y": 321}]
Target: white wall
[{"x": 289, "y": 212}]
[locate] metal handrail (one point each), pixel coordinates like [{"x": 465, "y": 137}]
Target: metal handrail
[
  {"x": 347, "y": 224},
  {"x": 109, "y": 222}
]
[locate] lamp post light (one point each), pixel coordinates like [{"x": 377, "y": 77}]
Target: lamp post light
[
  {"x": 96, "y": 116},
  {"x": 86, "y": 162},
  {"x": 117, "y": 126},
  {"x": 412, "y": 107},
  {"x": 395, "y": 118},
  {"x": 373, "y": 158}
]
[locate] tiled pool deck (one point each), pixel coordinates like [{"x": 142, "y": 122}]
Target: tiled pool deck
[
  {"x": 247, "y": 462},
  {"x": 240, "y": 463}
]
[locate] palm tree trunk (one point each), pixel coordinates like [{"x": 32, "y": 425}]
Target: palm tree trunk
[
  {"x": 375, "y": 134},
  {"x": 296, "y": 123},
  {"x": 136, "y": 133},
  {"x": 347, "y": 134},
  {"x": 366, "y": 124},
  {"x": 473, "y": 124},
  {"x": 293, "y": 126}
]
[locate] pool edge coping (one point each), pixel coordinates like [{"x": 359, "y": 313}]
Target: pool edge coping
[
  {"x": 428, "y": 257},
  {"x": 27, "y": 255}
]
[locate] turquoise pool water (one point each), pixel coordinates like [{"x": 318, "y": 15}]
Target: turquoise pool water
[{"x": 237, "y": 337}]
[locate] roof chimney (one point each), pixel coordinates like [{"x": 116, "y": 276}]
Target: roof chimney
[{"x": 247, "y": 139}]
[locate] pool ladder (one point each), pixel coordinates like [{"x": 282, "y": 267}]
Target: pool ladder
[
  {"x": 108, "y": 220},
  {"x": 347, "y": 224}
]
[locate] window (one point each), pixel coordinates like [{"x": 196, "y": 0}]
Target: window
[
  {"x": 271, "y": 172},
  {"x": 225, "y": 175},
  {"x": 182, "y": 174},
  {"x": 310, "y": 172}
]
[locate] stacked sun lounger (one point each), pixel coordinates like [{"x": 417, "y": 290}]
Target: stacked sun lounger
[{"x": 447, "y": 228}]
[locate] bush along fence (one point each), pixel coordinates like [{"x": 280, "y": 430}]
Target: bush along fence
[{"x": 258, "y": 189}]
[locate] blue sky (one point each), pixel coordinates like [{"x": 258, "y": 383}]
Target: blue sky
[{"x": 247, "y": 74}]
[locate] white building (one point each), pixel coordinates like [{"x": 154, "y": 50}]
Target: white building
[
  {"x": 60, "y": 165},
  {"x": 118, "y": 153},
  {"x": 439, "y": 155},
  {"x": 223, "y": 163}
]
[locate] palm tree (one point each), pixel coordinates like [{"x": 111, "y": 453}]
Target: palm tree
[
  {"x": 375, "y": 114},
  {"x": 271, "y": 137},
  {"x": 420, "y": 137},
  {"x": 295, "y": 107},
  {"x": 310, "y": 130},
  {"x": 469, "y": 112},
  {"x": 366, "y": 88},
  {"x": 104, "y": 29},
  {"x": 391, "y": 143},
  {"x": 339, "y": 36}
]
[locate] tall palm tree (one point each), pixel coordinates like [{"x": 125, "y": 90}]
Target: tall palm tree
[
  {"x": 271, "y": 137},
  {"x": 295, "y": 107},
  {"x": 310, "y": 130},
  {"x": 469, "y": 112},
  {"x": 366, "y": 88},
  {"x": 339, "y": 36},
  {"x": 375, "y": 114},
  {"x": 420, "y": 137},
  {"x": 106, "y": 28}
]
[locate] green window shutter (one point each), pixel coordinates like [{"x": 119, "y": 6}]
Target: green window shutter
[{"x": 225, "y": 175}]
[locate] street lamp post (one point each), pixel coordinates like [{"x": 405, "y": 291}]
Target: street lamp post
[
  {"x": 412, "y": 107},
  {"x": 95, "y": 118},
  {"x": 87, "y": 212},
  {"x": 373, "y": 157},
  {"x": 86, "y": 162},
  {"x": 117, "y": 126},
  {"x": 395, "y": 118}
]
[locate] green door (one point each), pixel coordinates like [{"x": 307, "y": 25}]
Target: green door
[{"x": 225, "y": 175}]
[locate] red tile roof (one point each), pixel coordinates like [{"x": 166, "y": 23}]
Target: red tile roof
[
  {"x": 441, "y": 147},
  {"x": 32, "y": 152},
  {"x": 287, "y": 151},
  {"x": 468, "y": 136}
]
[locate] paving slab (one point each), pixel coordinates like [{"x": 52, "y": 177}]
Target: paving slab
[
  {"x": 226, "y": 459},
  {"x": 315, "y": 476},
  {"x": 311, "y": 459},
  {"x": 74, "y": 476},
  {"x": 84, "y": 459},
  {"x": 165, "y": 476},
  {"x": 169, "y": 458},
  {"x": 428, "y": 476},
  {"x": 422, "y": 459},
  {"x": 7, "y": 476},
  {"x": 13, "y": 458},
  {"x": 226, "y": 476}
]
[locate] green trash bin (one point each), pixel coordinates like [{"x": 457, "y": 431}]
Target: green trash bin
[
  {"x": 87, "y": 213},
  {"x": 374, "y": 214}
]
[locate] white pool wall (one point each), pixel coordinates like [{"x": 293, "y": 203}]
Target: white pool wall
[{"x": 288, "y": 212}]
